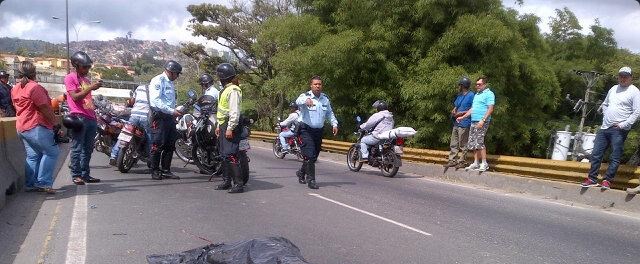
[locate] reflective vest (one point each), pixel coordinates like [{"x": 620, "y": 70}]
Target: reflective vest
[{"x": 223, "y": 102}]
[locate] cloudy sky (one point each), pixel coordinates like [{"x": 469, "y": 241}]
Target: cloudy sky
[{"x": 168, "y": 19}]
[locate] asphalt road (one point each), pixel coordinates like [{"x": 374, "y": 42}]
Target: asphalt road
[{"x": 353, "y": 218}]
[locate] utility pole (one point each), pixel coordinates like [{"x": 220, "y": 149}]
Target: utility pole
[{"x": 590, "y": 78}]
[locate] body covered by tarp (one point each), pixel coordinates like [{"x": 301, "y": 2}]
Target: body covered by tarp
[
  {"x": 402, "y": 132},
  {"x": 267, "y": 250}
]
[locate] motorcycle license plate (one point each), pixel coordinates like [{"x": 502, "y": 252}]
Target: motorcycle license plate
[
  {"x": 244, "y": 144},
  {"x": 398, "y": 149},
  {"x": 124, "y": 137}
]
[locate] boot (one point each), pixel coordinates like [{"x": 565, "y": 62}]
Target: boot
[
  {"x": 311, "y": 175},
  {"x": 156, "y": 174},
  {"x": 301, "y": 173},
  {"x": 226, "y": 179},
  {"x": 236, "y": 175}
]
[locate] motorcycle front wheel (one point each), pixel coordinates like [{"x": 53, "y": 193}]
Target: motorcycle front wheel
[
  {"x": 126, "y": 157},
  {"x": 183, "y": 150},
  {"x": 386, "y": 167},
  {"x": 207, "y": 161},
  {"x": 352, "y": 159},
  {"x": 277, "y": 148}
]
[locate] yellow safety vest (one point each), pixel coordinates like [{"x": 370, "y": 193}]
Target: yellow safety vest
[{"x": 223, "y": 103}]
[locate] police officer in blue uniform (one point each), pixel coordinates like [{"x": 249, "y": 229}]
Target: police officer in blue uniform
[
  {"x": 315, "y": 108},
  {"x": 162, "y": 99}
]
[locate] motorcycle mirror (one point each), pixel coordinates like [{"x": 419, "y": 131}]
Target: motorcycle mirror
[
  {"x": 191, "y": 93},
  {"x": 358, "y": 119}
]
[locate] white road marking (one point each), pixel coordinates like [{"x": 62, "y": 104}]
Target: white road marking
[
  {"x": 77, "y": 245},
  {"x": 371, "y": 214}
]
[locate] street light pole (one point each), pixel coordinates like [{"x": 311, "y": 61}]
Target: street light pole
[{"x": 66, "y": 3}]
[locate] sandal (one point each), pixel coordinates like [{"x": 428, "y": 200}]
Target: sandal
[{"x": 78, "y": 181}]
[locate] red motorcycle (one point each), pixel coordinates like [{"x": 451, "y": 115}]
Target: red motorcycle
[
  {"x": 133, "y": 147},
  {"x": 294, "y": 144},
  {"x": 109, "y": 126}
]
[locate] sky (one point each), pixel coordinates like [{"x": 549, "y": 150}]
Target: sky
[{"x": 168, "y": 19}]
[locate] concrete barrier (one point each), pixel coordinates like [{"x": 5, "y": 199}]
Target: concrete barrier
[
  {"x": 12, "y": 159},
  {"x": 565, "y": 171}
]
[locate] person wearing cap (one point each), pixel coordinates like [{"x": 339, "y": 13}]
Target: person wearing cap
[
  {"x": 289, "y": 123},
  {"x": 6, "y": 108},
  {"x": 460, "y": 131},
  {"x": 81, "y": 105},
  {"x": 620, "y": 110},
  {"x": 162, "y": 94}
]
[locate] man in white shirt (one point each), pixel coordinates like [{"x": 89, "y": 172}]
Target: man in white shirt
[
  {"x": 290, "y": 123},
  {"x": 208, "y": 87},
  {"x": 620, "y": 109}
]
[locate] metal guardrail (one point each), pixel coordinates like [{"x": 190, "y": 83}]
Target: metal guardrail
[{"x": 555, "y": 170}]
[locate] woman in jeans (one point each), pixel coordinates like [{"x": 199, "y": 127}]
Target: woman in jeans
[{"x": 35, "y": 125}]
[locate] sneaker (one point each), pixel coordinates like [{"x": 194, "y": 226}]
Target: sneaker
[
  {"x": 588, "y": 183},
  {"x": 633, "y": 190},
  {"x": 483, "y": 167},
  {"x": 90, "y": 179},
  {"x": 169, "y": 175},
  {"x": 473, "y": 166},
  {"x": 605, "y": 185},
  {"x": 112, "y": 162}
]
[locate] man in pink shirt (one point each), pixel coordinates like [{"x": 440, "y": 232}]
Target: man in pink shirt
[{"x": 80, "y": 103}]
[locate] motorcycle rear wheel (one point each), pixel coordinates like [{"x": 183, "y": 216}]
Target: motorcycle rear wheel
[
  {"x": 126, "y": 160},
  {"x": 352, "y": 159},
  {"x": 386, "y": 167},
  {"x": 206, "y": 161}
]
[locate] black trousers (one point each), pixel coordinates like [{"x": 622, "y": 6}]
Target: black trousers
[
  {"x": 311, "y": 142},
  {"x": 229, "y": 148},
  {"x": 163, "y": 140}
]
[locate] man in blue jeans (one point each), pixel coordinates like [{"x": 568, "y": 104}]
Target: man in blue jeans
[{"x": 620, "y": 110}]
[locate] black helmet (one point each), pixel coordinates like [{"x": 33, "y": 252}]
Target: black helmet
[
  {"x": 464, "y": 81},
  {"x": 173, "y": 66},
  {"x": 80, "y": 59},
  {"x": 4, "y": 74},
  {"x": 293, "y": 105},
  {"x": 225, "y": 71},
  {"x": 380, "y": 105},
  {"x": 72, "y": 122},
  {"x": 205, "y": 79}
]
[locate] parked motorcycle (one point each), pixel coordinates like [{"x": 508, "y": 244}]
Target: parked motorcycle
[
  {"x": 294, "y": 143},
  {"x": 386, "y": 155},
  {"x": 203, "y": 140},
  {"x": 109, "y": 126},
  {"x": 133, "y": 147},
  {"x": 185, "y": 125}
]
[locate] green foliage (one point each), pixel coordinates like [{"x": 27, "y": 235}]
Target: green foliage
[
  {"x": 411, "y": 53},
  {"x": 118, "y": 74}
]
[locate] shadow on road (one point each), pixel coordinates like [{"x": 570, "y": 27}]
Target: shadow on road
[{"x": 258, "y": 185}]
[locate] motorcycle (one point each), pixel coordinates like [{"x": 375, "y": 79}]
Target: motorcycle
[
  {"x": 294, "y": 143},
  {"x": 109, "y": 126},
  {"x": 202, "y": 137},
  {"x": 184, "y": 127},
  {"x": 133, "y": 147},
  {"x": 386, "y": 155}
]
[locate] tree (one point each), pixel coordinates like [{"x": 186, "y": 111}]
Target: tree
[
  {"x": 22, "y": 51},
  {"x": 116, "y": 74}
]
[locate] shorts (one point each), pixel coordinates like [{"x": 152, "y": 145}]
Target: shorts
[{"x": 476, "y": 136}]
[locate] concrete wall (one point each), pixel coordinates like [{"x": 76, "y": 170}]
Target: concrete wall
[
  {"x": 56, "y": 89},
  {"x": 12, "y": 158}
]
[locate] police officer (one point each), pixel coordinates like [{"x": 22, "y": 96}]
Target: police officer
[
  {"x": 315, "y": 108},
  {"x": 162, "y": 99},
  {"x": 6, "y": 107},
  {"x": 229, "y": 130},
  {"x": 208, "y": 86}
]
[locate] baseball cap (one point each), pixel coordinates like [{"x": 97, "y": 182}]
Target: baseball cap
[{"x": 625, "y": 71}]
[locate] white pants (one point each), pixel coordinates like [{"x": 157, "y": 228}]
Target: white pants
[
  {"x": 369, "y": 140},
  {"x": 283, "y": 138}
]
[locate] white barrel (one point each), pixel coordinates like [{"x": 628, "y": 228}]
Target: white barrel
[
  {"x": 588, "y": 140},
  {"x": 561, "y": 146}
]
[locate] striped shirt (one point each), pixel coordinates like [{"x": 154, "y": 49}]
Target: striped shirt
[{"x": 141, "y": 105}]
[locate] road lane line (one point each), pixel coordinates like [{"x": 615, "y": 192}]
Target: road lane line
[
  {"x": 371, "y": 214},
  {"x": 77, "y": 245},
  {"x": 47, "y": 239}
]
